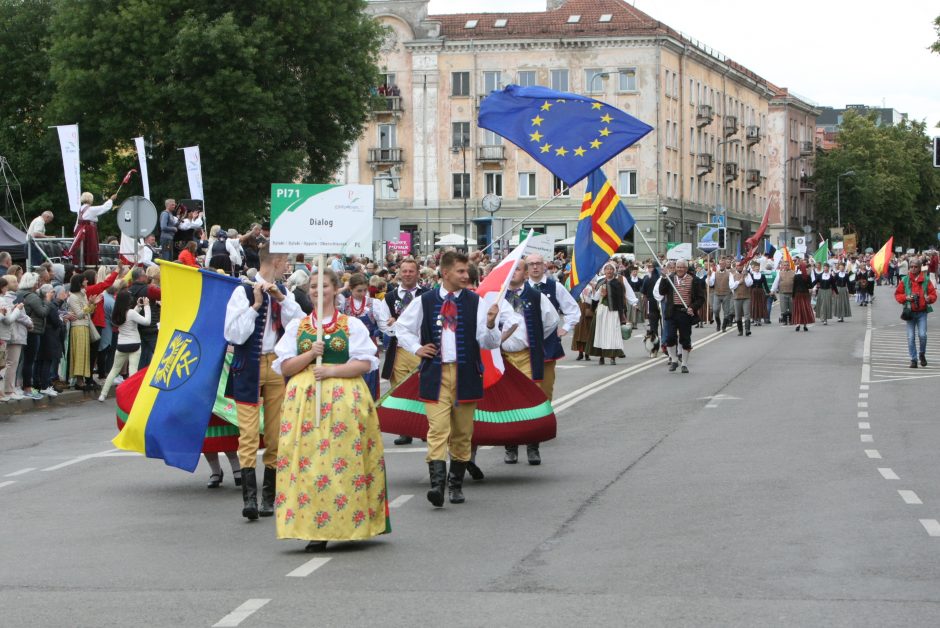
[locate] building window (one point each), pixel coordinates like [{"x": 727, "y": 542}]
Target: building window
[
  {"x": 527, "y": 78},
  {"x": 461, "y": 185},
  {"x": 628, "y": 80},
  {"x": 574, "y": 19},
  {"x": 560, "y": 80},
  {"x": 491, "y": 138},
  {"x": 561, "y": 188},
  {"x": 460, "y": 134},
  {"x": 627, "y": 183},
  {"x": 667, "y": 82},
  {"x": 500, "y": 23},
  {"x": 387, "y": 136},
  {"x": 526, "y": 185},
  {"x": 493, "y": 183},
  {"x": 491, "y": 82},
  {"x": 386, "y": 80},
  {"x": 592, "y": 84},
  {"x": 460, "y": 83},
  {"x": 385, "y": 188}
]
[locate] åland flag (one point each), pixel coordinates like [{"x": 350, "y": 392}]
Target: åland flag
[
  {"x": 169, "y": 417},
  {"x": 879, "y": 262},
  {"x": 569, "y": 134},
  {"x": 602, "y": 225}
]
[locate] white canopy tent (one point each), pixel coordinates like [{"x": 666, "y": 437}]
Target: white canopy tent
[{"x": 452, "y": 239}]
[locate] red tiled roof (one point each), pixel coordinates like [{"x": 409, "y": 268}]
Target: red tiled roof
[{"x": 625, "y": 20}]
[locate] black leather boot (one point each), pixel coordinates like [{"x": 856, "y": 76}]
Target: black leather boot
[
  {"x": 532, "y": 453},
  {"x": 512, "y": 454},
  {"x": 249, "y": 494},
  {"x": 747, "y": 328},
  {"x": 475, "y": 472},
  {"x": 740, "y": 328},
  {"x": 455, "y": 481},
  {"x": 267, "y": 492},
  {"x": 403, "y": 440},
  {"x": 717, "y": 323},
  {"x": 438, "y": 472},
  {"x": 725, "y": 323}
]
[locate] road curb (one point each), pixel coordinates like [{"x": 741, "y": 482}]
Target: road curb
[{"x": 11, "y": 408}]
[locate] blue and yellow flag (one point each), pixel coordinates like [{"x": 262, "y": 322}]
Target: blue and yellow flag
[
  {"x": 169, "y": 417},
  {"x": 602, "y": 225},
  {"x": 569, "y": 134}
]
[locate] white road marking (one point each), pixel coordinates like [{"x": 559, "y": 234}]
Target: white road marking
[
  {"x": 241, "y": 613},
  {"x": 309, "y": 567},
  {"x": 863, "y": 395},
  {"x": 68, "y": 463},
  {"x": 7, "y": 483},
  {"x": 863, "y": 387},
  {"x": 399, "y": 501},
  {"x": 862, "y": 404},
  {"x": 714, "y": 400},
  {"x": 20, "y": 472},
  {"x": 932, "y": 526},
  {"x": 867, "y": 438},
  {"x": 864, "y": 426},
  {"x": 887, "y": 473},
  {"x": 569, "y": 366},
  {"x": 873, "y": 453},
  {"x": 910, "y": 497},
  {"x": 863, "y": 415},
  {"x": 405, "y": 450}
]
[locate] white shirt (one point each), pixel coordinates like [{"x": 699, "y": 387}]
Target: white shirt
[
  {"x": 37, "y": 227},
  {"x": 128, "y": 333},
  {"x": 519, "y": 340},
  {"x": 408, "y": 330},
  {"x": 186, "y": 224},
  {"x": 361, "y": 346},
  {"x": 628, "y": 291},
  {"x": 91, "y": 212},
  {"x": 234, "y": 251},
  {"x": 377, "y": 307},
  {"x": 570, "y": 311},
  {"x": 240, "y": 318}
]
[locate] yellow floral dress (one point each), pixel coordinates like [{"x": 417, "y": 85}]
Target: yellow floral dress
[{"x": 330, "y": 479}]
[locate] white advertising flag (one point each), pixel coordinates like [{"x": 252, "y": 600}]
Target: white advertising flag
[
  {"x": 194, "y": 172},
  {"x": 142, "y": 158},
  {"x": 68, "y": 141}
]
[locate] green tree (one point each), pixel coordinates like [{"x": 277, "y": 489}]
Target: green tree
[
  {"x": 894, "y": 189},
  {"x": 936, "y": 45},
  {"x": 271, "y": 92}
]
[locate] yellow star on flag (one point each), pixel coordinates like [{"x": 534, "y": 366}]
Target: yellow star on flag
[
  {"x": 537, "y": 121},
  {"x": 596, "y": 144},
  {"x": 579, "y": 151},
  {"x": 547, "y": 106},
  {"x": 536, "y": 137},
  {"x": 604, "y": 132},
  {"x": 596, "y": 105},
  {"x": 546, "y": 148},
  {"x": 561, "y": 152},
  {"x": 606, "y": 118}
]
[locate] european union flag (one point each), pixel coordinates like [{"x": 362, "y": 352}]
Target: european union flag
[
  {"x": 602, "y": 225},
  {"x": 571, "y": 135}
]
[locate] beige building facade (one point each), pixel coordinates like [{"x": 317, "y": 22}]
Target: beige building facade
[{"x": 716, "y": 141}]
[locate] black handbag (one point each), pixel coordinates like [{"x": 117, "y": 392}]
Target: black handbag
[{"x": 906, "y": 313}]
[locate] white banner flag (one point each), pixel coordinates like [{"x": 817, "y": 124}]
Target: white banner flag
[
  {"x": 142, "y": 158},
  {"x": 68, "y": 141},
  {"x": 194, "y": 172}
]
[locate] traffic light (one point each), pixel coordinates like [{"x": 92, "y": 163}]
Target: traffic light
[{"x": 722, "y": 232}]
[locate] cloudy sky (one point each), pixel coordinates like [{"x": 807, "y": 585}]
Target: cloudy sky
[{"x": 834, "y": 52}]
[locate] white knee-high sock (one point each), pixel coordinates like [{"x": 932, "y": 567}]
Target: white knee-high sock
[
  {"x": 213, "y": 460},
  {"x": 672, "y": 354},
  {"x": 685, "y": 356},
  {"x": 233, "y": 460}
]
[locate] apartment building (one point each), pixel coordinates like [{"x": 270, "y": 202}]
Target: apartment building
[{"x": 719, "y": 128}]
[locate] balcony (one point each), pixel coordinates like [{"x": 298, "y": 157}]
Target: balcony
[
  {"x": 491, "y": 154},
  {"x": 806, "y": 185},
  {"x": 753, "y": 134},
  {"x": 387, "y": 105},
  {"x": 753, "y": 179},
  {"x": 731, "y": 171},
  {"x": 703, "y": 164},
  {"x": 731, "y": 125},
  {"x": 703, "y": 115},
  {"x": 806, "y": 149},
  {"x": 385, "y": 157}
]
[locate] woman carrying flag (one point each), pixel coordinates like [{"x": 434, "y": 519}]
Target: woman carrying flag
[{"x": 86, "y": 230}]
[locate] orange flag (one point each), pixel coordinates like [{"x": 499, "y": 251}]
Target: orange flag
[{"x": 879, "y": 263}]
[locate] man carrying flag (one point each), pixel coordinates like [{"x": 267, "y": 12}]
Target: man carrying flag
[{"x": 682, "y": 294}]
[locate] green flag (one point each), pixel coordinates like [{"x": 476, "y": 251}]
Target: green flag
[{"x": 822, "y": 253}]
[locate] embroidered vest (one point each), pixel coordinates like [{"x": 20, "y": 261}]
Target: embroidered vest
[
  {"x": 246, "y": 361},
  {"x": 469, "y": 364},
  {"x": 335, "y": 339},
  {"x": 742, "y": 291},
  {"x": 785, "y": 285},
  {"x": 394, "y": 303},
  {"x": 722, "y": 286},
  {"x": 552, "y": 344},
  {"x": 531, "y": 300}
]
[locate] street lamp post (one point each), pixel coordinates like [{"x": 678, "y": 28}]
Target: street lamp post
[
  {"x": 600, "y": 75},
  {"x": 847, "y": 173},
  {"x": 464, "y": 191}
]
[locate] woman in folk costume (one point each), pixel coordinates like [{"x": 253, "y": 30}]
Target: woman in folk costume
[
  {"x": 581, "y": 334},
  {"x": 759, "y": 291},
  {"x": 841, "y": 305},
  {"x": 803, "y": 281},
  {"x": 330, "y": 469},
  {"x": 86, "y": 230},
  {"x": 635, "y": 312},
  {"x": 610, "y": 312},
  {"x": 371, "y": 312},
  {"x": 825, "y": 288}
]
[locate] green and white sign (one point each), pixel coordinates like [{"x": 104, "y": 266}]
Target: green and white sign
[{"x": 316, "y": 219}]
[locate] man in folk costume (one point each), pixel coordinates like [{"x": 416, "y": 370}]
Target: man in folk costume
[
  {"x": 533, "y": 320},
  {"x": 86, "y": 230},
  {"x": 569, "y": 313},
  {"x": 719, "y": 281},
  {"x": 255, "y": 319},
  {"x": 741, "y": 289},
  {"x": 682, "y": 295},
  {"x": 400, "y": 364},
  {"x": 446, "y": 328},
  {"x": 783, "y": 287}
]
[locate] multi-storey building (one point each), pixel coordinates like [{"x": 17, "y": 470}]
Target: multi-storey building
[
  {"x": 829, "y": 121},
  {"x": 719, "y": 128}
]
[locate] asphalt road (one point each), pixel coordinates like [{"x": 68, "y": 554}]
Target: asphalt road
[{"x": 790, "y": 480}]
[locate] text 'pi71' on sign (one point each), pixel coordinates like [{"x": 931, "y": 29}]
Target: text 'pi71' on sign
[{"x": 316, "y": 219}]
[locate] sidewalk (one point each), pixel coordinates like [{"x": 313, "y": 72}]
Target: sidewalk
[{"x": 67, "y": 397}]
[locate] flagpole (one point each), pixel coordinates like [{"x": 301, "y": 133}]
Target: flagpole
[
  {"x": 660, "y": 264},
  {"x": 522, "y": 220}
]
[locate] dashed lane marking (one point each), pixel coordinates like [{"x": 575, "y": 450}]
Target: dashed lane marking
[
  {"x": 399, "y": 501},
  {"x": 7, "y": 483},
  {"x": 888, "y": 473},
  {"x": 873, "y": 453},
  {"x": 241, "y": 613},
  {"x": 309, "y": 567},
  {"x": 867, "y": 438},
  {"x": 910, "y": 497},
  {"x": 864, "y": 426},
  {"x": 20, "y": 472},
  {"x": 932, "y": 526},
  {"x": 863, "y": 415}
]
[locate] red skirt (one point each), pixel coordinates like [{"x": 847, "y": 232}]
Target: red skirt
[
  {"x": 758, "y": 304},
  {"x": 802, "y": 310},
  {"x": 87, "y": 236},
  {"x": 513, "y": 411}
]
